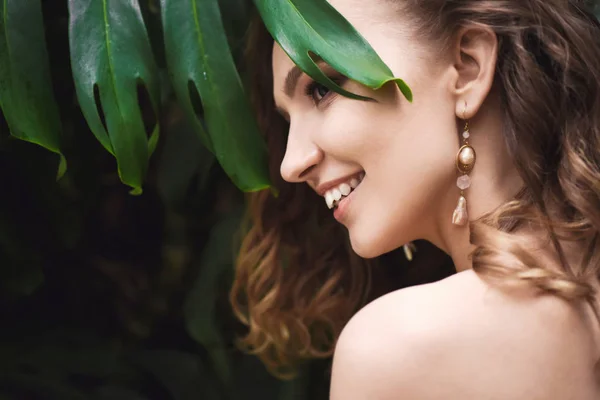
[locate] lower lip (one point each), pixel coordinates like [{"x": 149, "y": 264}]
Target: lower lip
[{"x": 340, "y": 212}]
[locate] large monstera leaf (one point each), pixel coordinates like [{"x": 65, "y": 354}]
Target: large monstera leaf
[
  {"x": 26, "y": 96},
  {"x": 304, "y": 28},
  {"x": 111, "y": 56},
  {"x": 200, "y": 62}
]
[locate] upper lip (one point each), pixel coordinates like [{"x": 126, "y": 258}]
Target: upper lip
[{"x": 324, "y": 187}]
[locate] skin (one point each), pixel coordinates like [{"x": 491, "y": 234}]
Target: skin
[
  {"x": 458, "y": 337},
  {"x": 407, "y": 150}
]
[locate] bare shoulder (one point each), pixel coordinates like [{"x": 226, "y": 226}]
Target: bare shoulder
[{"x": 461, "y": 338}]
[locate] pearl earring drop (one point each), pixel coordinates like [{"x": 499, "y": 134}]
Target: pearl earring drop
[{"x": 465, "y": 161}]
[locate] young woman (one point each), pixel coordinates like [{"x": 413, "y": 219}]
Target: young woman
[{"x": 496, "y": 162}]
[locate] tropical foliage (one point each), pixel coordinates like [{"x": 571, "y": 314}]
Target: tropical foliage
[
  {"x": 125, "y": 138},
  {"x": 126, "y": 143}
]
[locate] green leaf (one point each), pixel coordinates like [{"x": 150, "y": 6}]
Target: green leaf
[
  {"x": 200, "y": 306},
  {"x": 199, "y": 60},
  {"x": 182, "y": 158},
  {"x": 236, "y": 15},
  {"x": 26, "y": 96},
  {"x": 306, "y": 27},
  {"x": 110, "y": 51}
]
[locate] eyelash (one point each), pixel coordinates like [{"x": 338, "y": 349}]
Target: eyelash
[{"x": 310, "y": 88}]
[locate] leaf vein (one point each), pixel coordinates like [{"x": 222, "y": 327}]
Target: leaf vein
[{"x": 110, "y": 63}]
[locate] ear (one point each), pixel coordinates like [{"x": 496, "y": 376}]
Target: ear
[{"x": 475, "y": 53}]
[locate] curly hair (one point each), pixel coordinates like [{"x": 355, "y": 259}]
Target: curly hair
[
  {"x": 548, "y": 76},
  {"x": 298, "y": 282}
]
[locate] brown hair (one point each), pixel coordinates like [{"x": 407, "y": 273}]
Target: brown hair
[
  {"x": 297, "y": 281},
  {"x": 548, "y": 77}
]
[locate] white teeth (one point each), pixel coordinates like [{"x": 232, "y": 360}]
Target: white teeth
[
  {"x": 345, "y": 189},
  {"x": 329, "y": 200},
  {"x": 337, "y": 195},
  {"x": 333, "y": 196}
]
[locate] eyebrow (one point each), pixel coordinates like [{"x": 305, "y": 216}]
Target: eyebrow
[
  {"x": 294, "y": 74},
  {"x": 291, "y": 80}
]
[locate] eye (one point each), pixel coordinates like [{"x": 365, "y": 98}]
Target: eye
[
  {"x": 320, "y": 91},
  {"x": 317, "y": 91}
]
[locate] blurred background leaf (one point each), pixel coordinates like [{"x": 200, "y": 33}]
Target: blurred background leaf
[
  {"x": 202, "y": 67},
  {"x": 26, "y": 96}
]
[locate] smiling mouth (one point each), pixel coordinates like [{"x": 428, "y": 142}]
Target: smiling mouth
[{"x": 334, "y": 196}]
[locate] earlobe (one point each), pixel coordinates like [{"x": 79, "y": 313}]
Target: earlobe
[{"x": 475, "y": 54}]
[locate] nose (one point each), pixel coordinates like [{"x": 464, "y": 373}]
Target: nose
[{"x": 302, "y": 155}]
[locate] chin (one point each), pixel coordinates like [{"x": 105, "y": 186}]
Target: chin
[{"x": 367, "y": 246}]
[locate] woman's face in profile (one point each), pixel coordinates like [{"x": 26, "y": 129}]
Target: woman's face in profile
[{"x": 385, "y": 166}]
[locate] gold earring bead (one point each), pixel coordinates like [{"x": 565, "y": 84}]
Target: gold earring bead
[{"x": 465, "y": 159}]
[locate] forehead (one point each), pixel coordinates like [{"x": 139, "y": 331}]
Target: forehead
[{"x": 281, "y": 65}]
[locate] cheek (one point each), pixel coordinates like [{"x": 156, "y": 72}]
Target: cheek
[
  {"x": 355, "y": 129},
  {"x": 409, "y": 161},
  {"x": 414, "y": 160},
  {"x": 417, "y": 138},
  {"x": 346, "y": 131},
  {"x": 375, "y": 135},
  {"x": 423, "y": 141}
]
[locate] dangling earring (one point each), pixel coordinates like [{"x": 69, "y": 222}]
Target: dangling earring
[
  {"x": 409, "y": 249},
  {"x": 465, "y": 161}
]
